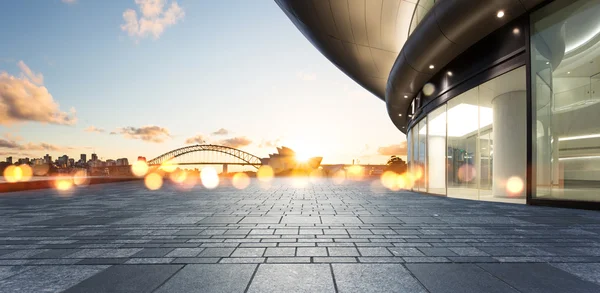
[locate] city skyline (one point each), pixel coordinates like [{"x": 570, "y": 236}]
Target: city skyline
[{"x": 132, "y": 89}]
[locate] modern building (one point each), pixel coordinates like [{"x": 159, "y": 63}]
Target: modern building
[
  {"x": 94, "y": 157},
  {"x": 498, "y": 99},
  {"x": 122, "y": 162},
  {"x": 83, "y": 158},
  {"x": 9, "y": 160}
]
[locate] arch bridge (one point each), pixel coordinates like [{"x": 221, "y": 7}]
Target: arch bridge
[{"x": 208, "y": 154}]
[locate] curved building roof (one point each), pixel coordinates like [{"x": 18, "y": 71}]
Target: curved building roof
[
  {"x": 369, "y": 41},
  {"x": 361, "y": 37}
]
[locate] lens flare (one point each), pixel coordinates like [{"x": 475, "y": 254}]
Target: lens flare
[
  {"x": 63, "y": 184},
  {"x": 418, "y": 172},
  {"x": 178, "y": 176},
  {"x": 428, "y": 89},
  {"x": 514, "y": 185},
  {"x": 388, "y": 180},
  {"x": 12, "y": 174},
  {"x": 356, "y": 173},
  {"x": 338, "y": 177},
  {"x": 209, "y": 177},
  {"x": 265, "y": 173},
  {"x": 315, "y": 175},
  {"x": 190, "y": 181},
  {"x": 139, "y": 168},
  {"x": 240, "y": 180},
  {"x": 168, "y": 166},
  {"x": 153, "y": 181},
  {"x": 26, "y": 172},
  {"x": 466, "y": 173},
  {"x": 80, "y": 178}
]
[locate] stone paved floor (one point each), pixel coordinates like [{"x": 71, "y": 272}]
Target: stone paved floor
[{"x": 319, "y": 238}]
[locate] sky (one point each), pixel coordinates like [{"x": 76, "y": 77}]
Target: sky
[{"x": 142, "y": 77}]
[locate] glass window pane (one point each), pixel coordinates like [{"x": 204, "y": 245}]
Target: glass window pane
[
  {"x": 415, "y": 165},
  {"x": 436, "y": 150},
  {"x": 502, "y": 162},
  {"x": 421, "y": 171},
  {"x": 565, "y": 48},
  {"x": 463, "y": 112}
]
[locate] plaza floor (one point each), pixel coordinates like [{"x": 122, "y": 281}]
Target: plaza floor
[{"x": 291, "y": 237}]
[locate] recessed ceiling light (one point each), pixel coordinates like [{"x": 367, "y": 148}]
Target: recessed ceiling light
[
  {"x": 431, "y": 66},
  {"x": 569, "y": 72},
  {"x": 516, "y": 31},
  {"x": 405, "y": 96},
  {"x": 409, "y": 115},
  {"x": 449, "y": 73},
  {"x": 500, "y": 14},
  {"x": 547, "y": 63},
  {"x": 400, "y": 115}
]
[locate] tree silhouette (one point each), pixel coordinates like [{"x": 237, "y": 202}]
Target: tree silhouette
[{"x": 396, "y": 164}]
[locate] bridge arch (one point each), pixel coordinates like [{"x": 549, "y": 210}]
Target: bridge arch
[{"x": 245, "y": 157}]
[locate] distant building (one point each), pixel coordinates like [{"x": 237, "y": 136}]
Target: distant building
[
  {"x": 122, "y": 162},
  {"x": 111, "y": 163},
  {"x": 83, "y": 158},
  {"x": 94, "y": 157},
  {"x": 71, "y": 162},
  {"x": 140, "y": 158},
  {"x": 9, "y": 160},
  {"x": 285, "y": 161},
  {"x": 62, "y": 161},
  {"x": 48, "y": 159}
]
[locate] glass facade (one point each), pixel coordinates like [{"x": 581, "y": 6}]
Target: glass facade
[
  {"x": 474, "y": 146},
  {"x": 565, "y": 75}
]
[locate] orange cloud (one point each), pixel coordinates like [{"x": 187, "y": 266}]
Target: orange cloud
[
  {"x": 94, "y": 129},
  {"x": 199, "y": 139},
  {"x": 149, "y": 133},
  {"x": 24, "y": 99},
  {"x": 236, "y": 142},
  {"x": 394, "y": 149},
  {"x": 221, "y": 131}
]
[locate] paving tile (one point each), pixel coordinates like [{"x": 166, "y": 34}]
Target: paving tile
[
  {"x": 459, "y": 278},
  {"x": 374, "y": 278},
  {"x": 127, "y": 278},
  {"x": 292, "y": 278},
  {"x": 48, "y": 278},
  {"x": 210, "y": 278},
  {"x": 101, "y": 261},
  {"x": 539, "y": 277},
  {"x": 437, "y": 251},
  {"x": 8, "y": 271},
  {"x": 405, "y": 251},
  {"x": 374, "y": 251},
  {"x": 311, "y": 251},
  {"x": 152, "y": 252},
  {"x": 248, "y": 252},
  {"x": 216, "y": 252},
  {"x": 280, "y": 251},
  {"x": 586, "y": 271},
  {"x": 184, "y": 252},
  {"x": 288, "y": 260},
  {"x": 342, "y": 251}
]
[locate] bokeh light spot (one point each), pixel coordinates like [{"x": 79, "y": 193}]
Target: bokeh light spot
[
  {"x": 428, "y": 89},
  {"x": 139, "y": 168},
  {"x": 80, "y": 178},
  {"x": 514, "y": 185},
  {"x": 168, "y": 166},
  {"x": 153, "y": 181},
  {"x": 209, "y": 177},
  {"x": 265, "y": 173},
  {"x": 63, "y": 184},
  {"x": 240, "y": 180}
]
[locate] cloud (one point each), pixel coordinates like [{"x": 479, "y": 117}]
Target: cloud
[
  {"x": 394, "y": 149},
  {"x": 24, "y": 99},
  {"x": 221, "y": 131},
  {"x": 270, "y": 143},
  {"x": 13, "y": 145},
  {"x": 149, "y": 133},
  {"x": 199, "y": 139},
  {"x": 94, "y": 129},
  {"x": 154, "y": 18},
  {"x": 69, "y": 1},
  {"x": 306, "y": 76},
  {"x": 236, "y": 142}
]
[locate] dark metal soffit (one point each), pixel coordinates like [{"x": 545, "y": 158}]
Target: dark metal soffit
[{"x": 449, "y": 28}]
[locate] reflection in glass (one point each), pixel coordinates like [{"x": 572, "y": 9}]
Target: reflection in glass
[
  {"x": 421, "y": 171},
  {"x": 463, "y": 114},
  {"x": 436, "y": 150},
  {"x": 565, "y": 67}
]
